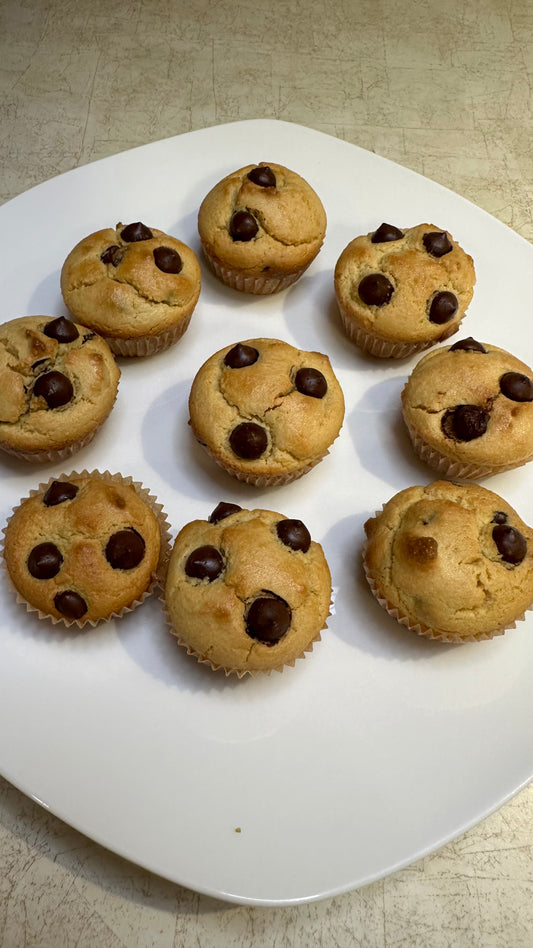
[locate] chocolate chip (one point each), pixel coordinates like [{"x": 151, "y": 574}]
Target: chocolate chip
[
  {"x": 58, "y": 492},
  {"x": 243, "y": 226},
  {"x": 248, "y": 440},
  {"x": 44, "y": 561},
  {"x": 311, "y": 382},
  {"x": 35, "y": 365},
  {"x": 241, "y": 356},
  {"x": 465, "y": 422},
  {"x": 54, "y": 387},
  {"x": 268, "y": 619},
  {"x": 125, "y": 549},
  {"x": 437, "y": 243},
  {"x": 168, "y": 260},
  {"x": 499, "y": 517},
  {"x": 112, "y": 254},
  {"x": 294, "y": 533},
  {"x": 133, "y": 232},
  {"x": 385, "y": 233},
  {"x": 87, "y": 336},
  {"x": 517, "y": 387},
  {"x": 70, "y": 604},
  {"x": 511, "y": 544},
  {"x": 263, "y": 176},
  {"x": 375, "y": 289},
  {"x": 223, "y": 510},
  {"x": 469, "y": 345},
  {"x": 204, "y": 563},
  {"x": 443, "y": 307},
  {"x": 61, "y": 329}
]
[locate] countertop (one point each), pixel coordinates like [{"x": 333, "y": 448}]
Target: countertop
[{"x": 444, "y": 89}]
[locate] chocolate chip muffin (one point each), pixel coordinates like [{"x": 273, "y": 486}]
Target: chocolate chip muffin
[
  {"x": 469, "y": 410},
  {"x": 261, "y": 227},
  {"x": 58, "y": 384},
  {"x": 401, "y": 291},
  {"x": 247, "y": 590},
  {"x": 452, "y": 562},
  {"x": 265, "y": 411},
  {"x": 134, "y": 285},
  {"x": 86, "y": 547}
]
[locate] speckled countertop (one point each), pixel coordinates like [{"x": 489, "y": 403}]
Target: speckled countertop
[{"x": 444, "y": 89}]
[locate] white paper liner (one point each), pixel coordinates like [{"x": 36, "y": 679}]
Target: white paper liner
[
  {"x": 383, "y": 348},
  {"x": 261, "y": 480},
  {"x": 148, "y": 344},
  {"x": 450, "y": 468},
  {"x": 261, "y": 284},
  {"x": 162, "y": 566}
]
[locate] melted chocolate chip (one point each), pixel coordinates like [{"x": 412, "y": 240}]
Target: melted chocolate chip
[
  {"x": 112, "y": 254},
  {"x": 204, "y": 563},
  {"x": 44, "y": 561},
  {"x": 223, "y": 510},
  {"x": 517, "y": 387},
  {"x": 241, "y": 356},
  {"x": 133, "y": 232},
  {"x": 263, "y": 176},
  {"x": 243, "y": 226},
  {"x": 35, "y": 365},
  {"x": 437, "y": 243},
  {"x": 499, "y": 517},
  {"x": 385, "y": 233},
  {"x": 469, "y": 345},
  {"x": 375, "y": 289},
  {"x": 61, "y": 329},
  {"x": 248, "y": 440},
  {"x": 168, "y": 260},
  {"x": 443, "y": 307},
  {"x": 70, "y": 604},
  {"x": 54, "y": 387},
  {"x": 311, "y": 382},
  {"x": 125, "y": 549},
  {"x": 511, "y": 544},
  {"x": 87, "y": 336},
  {"x": 465, "y": 422},
  {"x": 294, "y": 534},
  {"x": 58, "y": 492},
  {"x": 268, "y": 619}
]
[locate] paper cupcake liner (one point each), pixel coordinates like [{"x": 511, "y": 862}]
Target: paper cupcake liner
[
  {"x": 164, "y": 556},
  {"x": 420, "y": 628},
  {"x": 450, "y": 468},
  {"x": 384, "y": 348},
  {"x": 150, "y": 343},
  {"x": 260, "y": 284},
  {"x": 261, "y": 480}
]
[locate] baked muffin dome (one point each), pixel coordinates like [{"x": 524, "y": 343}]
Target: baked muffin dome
[
  {"x": 261, "y": 227},
  {"x": 134, "y": 285},
  {"x": 265, "y": 411},
  {"x": 58, "y": 384},
  {"x": 451, "y": 561},
  {"x": 247, "y": 590},
  {"x": 401, "y": 291},
  {"x": 469, "y": 409}
]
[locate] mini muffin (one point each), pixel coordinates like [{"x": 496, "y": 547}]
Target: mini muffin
[
  {"x": 58, "y": 384},
  {"x": 247, "y": 590},
  {"x": 469, "y": 410},
  {"x": 261, "y": 227},
  {"x": 265, "y": 411},
  {"x": 134, "y": 285},
  {"x": 85, "y": 547},
  {"x": 401, "y": 291},
  {"x": 450, "y": 561}
]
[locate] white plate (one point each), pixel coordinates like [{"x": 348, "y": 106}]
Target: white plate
[{"x": 379, "y": 746}]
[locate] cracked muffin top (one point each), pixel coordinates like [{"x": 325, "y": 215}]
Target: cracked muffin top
[
  {"x": 409, "y": 288},
  {"x": 58, "y": 383},
  {"x": 262, "y": 220},
  {"x": 470, "y": 406},
  {"x": 266, "y": 411},
  {"x": 247, "y": 590},
  {"x": 134, "y": 285},
  {"x": 453, "y": 561}
]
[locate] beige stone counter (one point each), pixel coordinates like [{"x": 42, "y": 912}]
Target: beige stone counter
[{"x": 443, "y": 88}]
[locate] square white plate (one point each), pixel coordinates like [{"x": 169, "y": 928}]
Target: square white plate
[{"x": 380, "y": 746}]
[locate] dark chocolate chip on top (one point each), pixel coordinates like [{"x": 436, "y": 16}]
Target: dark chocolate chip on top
[
  {"x": 61, "y": 329},
  {"x": 263, "y": 176},
  {"x": 386, "y": 233},
  {"x": 137, "y": 231}
]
